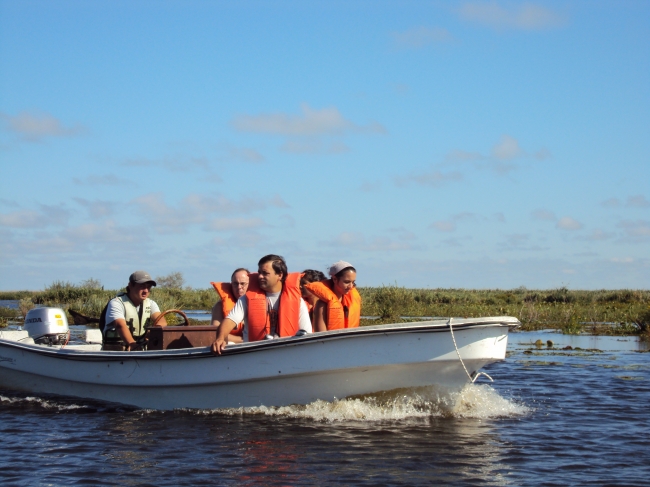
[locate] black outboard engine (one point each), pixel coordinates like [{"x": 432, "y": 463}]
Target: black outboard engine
[{"x": 47, "y": 326}]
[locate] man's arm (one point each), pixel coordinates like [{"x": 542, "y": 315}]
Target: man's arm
[
  {"x": 217, "y": 314},
  {"x": 319, "y": 316},
  {"x": 122, "y": 328},
  {"x": 161, "y": 322},
  {"x": 226, "y": 326}
]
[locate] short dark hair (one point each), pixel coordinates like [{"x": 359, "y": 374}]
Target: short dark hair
[
  {"x": 277, "y": 262},
  {"x": 311, "y": 275},
  {"x": 239, "y": 269},
  {"x": 342, "y": 271}
]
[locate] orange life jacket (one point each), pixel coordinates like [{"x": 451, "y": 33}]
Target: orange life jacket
[
  {"x": 336, "y": 318},
  {"x": 228, "y": 301},
  {"x": 259, "y": 324}
]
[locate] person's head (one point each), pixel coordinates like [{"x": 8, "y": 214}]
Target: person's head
[
  {"x": 344, "y": 277},
  {"x": 272, "y": 272},
  {"x": 139, "y": 286},
  {"x": 239, "y": 282},
  {"x": 310, "y": 275}
]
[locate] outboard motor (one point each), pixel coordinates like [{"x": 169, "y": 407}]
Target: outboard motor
[{"x": 47, "y": 326}]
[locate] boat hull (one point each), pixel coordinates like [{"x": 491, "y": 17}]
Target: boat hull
[{"x": 297, "y": 370}]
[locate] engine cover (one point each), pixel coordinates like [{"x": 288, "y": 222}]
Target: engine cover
[{"x": 50, "y": 324}]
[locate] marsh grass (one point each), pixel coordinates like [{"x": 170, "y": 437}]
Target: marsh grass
[
  {"x": 7, "y": 314},
  {"x": 600, "y": 312}
]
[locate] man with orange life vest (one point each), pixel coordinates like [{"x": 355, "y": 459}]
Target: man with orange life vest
[
  {"x": 339, "y": 302},
  {"x": 272, "y": 307},
  {"x": 230, "y": 292}
]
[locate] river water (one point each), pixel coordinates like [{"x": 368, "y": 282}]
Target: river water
[{"x": 551, "y": 417}]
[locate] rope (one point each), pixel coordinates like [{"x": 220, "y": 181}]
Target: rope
[
  {"x": 67, "y": 339},
  {"x": 476, "y": 375}
]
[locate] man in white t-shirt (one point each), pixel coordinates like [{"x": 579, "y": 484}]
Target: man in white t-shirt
[
  {"x": 127, "y": 315},
  {"x": 272, "y": 281}
]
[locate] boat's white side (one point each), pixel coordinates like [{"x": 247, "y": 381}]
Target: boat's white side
[{"x": 285, "y": 371}]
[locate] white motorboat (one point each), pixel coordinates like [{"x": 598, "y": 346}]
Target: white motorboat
[{"x": 294, "y": 370}]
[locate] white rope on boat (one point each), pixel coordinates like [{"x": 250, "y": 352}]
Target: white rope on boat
[{"x": 476, "y": 376}]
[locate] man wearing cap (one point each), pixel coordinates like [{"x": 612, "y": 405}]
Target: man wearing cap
[{"x": 128, "y": 314}]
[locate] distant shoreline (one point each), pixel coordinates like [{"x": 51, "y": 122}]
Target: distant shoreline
[{"x": 620, "y": 311}]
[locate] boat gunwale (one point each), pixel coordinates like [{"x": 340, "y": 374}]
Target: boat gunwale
[{"x": 434, "y": 326}]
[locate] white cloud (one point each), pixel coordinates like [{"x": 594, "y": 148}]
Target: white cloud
[
  {"x": 327, "y": 121},
  {"x": 433, "y": 178},
  {"x": 403, "y": 234},
  {"x": 418, "y": 37},
  {"x": 542, "y": 154},
  {"x": 611, "y": 203},
  {"x": 9, "y": 203},
  {"x": 368, "y": 187},
  {"x": 97, "y": 208},
  {"x": 503, "y": 157},
  {"x": 638, "y": 229},
  {"x": 106, "y": 180},
  {"x": 638, "y": 201},
  {"x": 444, "y": 226},
  {"x": 35, "y": 127},
  {"x": 105, "y": 233},
  {"x": 450, "y": 225},
  {"x": 48, "y": 215},
  {"x": 23, "y": 219},
  {"x": 543, "y": 215},
  {"x": 174, "y": 164},
  {"x": 401, "y": 88},
  {"x": 568, "y": 223},
  {"x": 524, "y": 16},
  {"x": 198, "y": 209},
  {"x": 244, "y": 154},
  {"x": 507, "y": 149},
  {"x": 599, "y": 235},
  {"x": 226, "y": 224},
  {"x": 314, "y": 146},
  {"x": 458, "y": 155},
  {"x": 357, "y": 241},
  {"x": 522, "y": 242}
]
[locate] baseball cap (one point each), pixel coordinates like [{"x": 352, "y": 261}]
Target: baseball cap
[{"x": 140, "y": 277}]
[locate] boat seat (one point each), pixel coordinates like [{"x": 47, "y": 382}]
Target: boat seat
[
  {"x": 93, "y": 335},
  {"x": 14, "y": 335}
]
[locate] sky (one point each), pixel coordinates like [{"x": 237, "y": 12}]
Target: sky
[{"x": 469, "y": 144}]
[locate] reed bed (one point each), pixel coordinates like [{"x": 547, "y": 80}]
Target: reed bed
[{"x": 602, "y": 312}]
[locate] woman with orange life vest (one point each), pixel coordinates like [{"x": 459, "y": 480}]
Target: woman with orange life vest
[
  {"x": 230, "y": 292},
  {"x": 339, "y": 302},
  {"x": 307, "y": 276},
  {"x": 272, "y": 307}
]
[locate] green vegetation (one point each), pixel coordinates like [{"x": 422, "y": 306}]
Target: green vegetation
[{"x": 599, "y": 312}]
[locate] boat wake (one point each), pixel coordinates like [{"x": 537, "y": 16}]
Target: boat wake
[
  {"x": 478, "y": 401},
  {"x": 38, "y": 402},
  {"x": 474, "y": 401}
]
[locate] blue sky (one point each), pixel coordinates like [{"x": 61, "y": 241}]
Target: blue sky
[{"x": 432, "y": 144}]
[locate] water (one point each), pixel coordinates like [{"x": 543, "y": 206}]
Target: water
[{"x": 552, "y": 417}]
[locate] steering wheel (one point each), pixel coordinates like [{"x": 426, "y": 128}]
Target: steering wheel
[{"x": 177, "y": 311}]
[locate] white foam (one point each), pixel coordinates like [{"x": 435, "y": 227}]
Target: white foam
[
  {"x": 38, "y": 401},
  {"x": 474, "y": 401}
]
